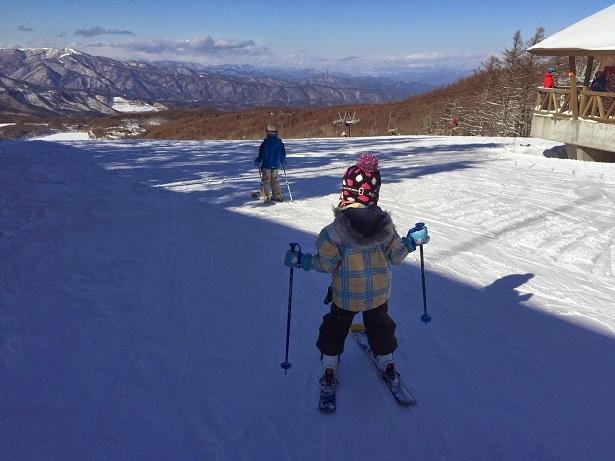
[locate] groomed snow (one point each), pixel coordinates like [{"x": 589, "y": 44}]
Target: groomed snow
[{"x": 143, "y": 304}]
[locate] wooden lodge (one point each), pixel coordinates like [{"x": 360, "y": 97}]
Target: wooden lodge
[{"x": 582, "y": 118}]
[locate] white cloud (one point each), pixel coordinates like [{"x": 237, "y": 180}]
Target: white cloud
[
  {"x": 98, "y": 30},
  {"x": 207, "y": 50},
  {"x": 204, "y": 50},
  {"x": 387, "y": 64}
]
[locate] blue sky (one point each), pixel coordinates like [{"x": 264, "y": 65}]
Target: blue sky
[{"x": 329, "y": 35}]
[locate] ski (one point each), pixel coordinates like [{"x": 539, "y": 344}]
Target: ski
[
  {"x": 397, "y": 388},
  {"x": 260, "y": 202},
  {"x": 258, "y": 196},
  {"x": 326, "y": 401}
]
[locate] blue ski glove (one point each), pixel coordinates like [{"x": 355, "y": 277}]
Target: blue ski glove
[
  {"x": 418, "y": 235},
  {"x": 298, "y": 259}
]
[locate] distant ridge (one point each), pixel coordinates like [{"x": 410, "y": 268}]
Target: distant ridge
[{"x": 50, "y": 81}]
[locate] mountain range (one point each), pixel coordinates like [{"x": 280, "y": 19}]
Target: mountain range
[{"x": 49, "y": 81}]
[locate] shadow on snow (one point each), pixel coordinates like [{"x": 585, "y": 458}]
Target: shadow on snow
[{"x": 136, "y": 353}]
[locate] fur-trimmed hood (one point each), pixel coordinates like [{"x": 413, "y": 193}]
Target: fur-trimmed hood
[{"x": 365, "y": 226}]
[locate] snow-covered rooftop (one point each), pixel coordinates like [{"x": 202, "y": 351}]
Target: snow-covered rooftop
[{"x": 591, "y": 36}]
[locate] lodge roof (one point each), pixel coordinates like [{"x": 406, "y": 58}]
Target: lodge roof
[{"x": 591, "y": 36}]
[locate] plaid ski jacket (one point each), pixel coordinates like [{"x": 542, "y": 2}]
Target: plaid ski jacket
[{"x": 360, "y": 264}]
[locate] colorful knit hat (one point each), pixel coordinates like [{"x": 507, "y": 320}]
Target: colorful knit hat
[{"x": 361, "y": 183}]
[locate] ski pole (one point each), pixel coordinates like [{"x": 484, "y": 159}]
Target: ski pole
[
  {"x": 260, "y": 180},
  {"x": 287, "y": 185},
  {"x": 286, "y": 364},
  {"x": 425, "y": 317}
]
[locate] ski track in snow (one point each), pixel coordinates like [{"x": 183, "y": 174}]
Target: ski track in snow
[{"x": 143, "y": 303}]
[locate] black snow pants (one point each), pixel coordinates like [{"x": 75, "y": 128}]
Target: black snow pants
[{"x": 379, "y": 326}]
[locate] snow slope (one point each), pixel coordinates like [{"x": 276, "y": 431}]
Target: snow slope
[{"x": 143, "y": 304}]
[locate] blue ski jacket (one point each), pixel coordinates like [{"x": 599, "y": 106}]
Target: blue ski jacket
[{"x": 271, "y": 153}]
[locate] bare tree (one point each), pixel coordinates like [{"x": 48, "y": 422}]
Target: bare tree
[{"x": 505, "y": 104}]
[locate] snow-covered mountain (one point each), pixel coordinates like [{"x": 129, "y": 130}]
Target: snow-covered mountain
[
  {"x": 143, "y": 304},
  {"x": 67, "y": 81}
]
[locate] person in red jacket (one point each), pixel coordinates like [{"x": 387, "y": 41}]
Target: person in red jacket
[{"x": 548, "y": 80}]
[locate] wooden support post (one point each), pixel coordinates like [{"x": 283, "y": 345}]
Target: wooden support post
[
  {"x": 574, "y": 99},
  {"x": 588, "y": 74}
]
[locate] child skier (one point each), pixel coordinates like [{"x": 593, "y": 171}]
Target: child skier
[
  {"x": 358, "y": 248},
  {"x": 271, "y": 155},
  {"x": 548, "y": 81}
]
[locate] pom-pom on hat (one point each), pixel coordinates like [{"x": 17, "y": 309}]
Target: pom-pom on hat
[
  {"x": 361, "y": 183},
  {"x": 368, "y": 162}
]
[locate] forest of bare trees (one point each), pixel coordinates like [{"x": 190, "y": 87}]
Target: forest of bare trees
[{"x": 498, "y": 100}]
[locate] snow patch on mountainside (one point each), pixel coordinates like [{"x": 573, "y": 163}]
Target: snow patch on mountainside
[{"x": 125, "y": 105}]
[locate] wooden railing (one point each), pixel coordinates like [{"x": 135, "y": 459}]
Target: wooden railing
[
  {"x": 597, "y": 106},
  {"x": 576, "y": 102},
  {"x": 554, "y": 101}
]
